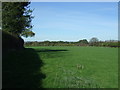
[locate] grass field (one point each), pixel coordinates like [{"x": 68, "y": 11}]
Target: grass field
[{"x": 62, "y": 67}]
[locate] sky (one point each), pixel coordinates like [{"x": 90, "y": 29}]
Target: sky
[{"x": 73, "y": 21}]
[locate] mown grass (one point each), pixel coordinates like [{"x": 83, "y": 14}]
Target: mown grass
[
  {"x": 61, "y": 67},
  {"x": 79, "y": 67}
]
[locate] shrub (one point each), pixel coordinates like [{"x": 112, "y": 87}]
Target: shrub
[{"x": 10, "y": 41}]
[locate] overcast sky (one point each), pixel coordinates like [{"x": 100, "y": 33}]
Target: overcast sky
[{"x": 73, "y": 21}]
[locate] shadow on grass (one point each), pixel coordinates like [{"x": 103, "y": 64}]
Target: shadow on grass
[
  {"x": 49, "y": 50},
  {"x": 51, "y": 53},
  {"x": 21, "y": 69}
]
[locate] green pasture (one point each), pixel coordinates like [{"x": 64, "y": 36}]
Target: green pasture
[{"x": 62, "y": 67}]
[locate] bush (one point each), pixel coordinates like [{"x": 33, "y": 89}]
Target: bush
[{"x": 10, "y": 41}]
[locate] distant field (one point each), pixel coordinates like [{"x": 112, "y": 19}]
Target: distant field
[
  {"x": 77, "y": 67},
  {"x": 61, "y": 67}
]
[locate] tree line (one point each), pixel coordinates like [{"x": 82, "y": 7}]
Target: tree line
[{"x": 93, "y": 42}]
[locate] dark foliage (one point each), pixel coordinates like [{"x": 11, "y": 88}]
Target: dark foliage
[
  {"x": 11, "y": 42},
  {"x": 16, "y": 22},
  {"x": 16, "y": 18}
]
